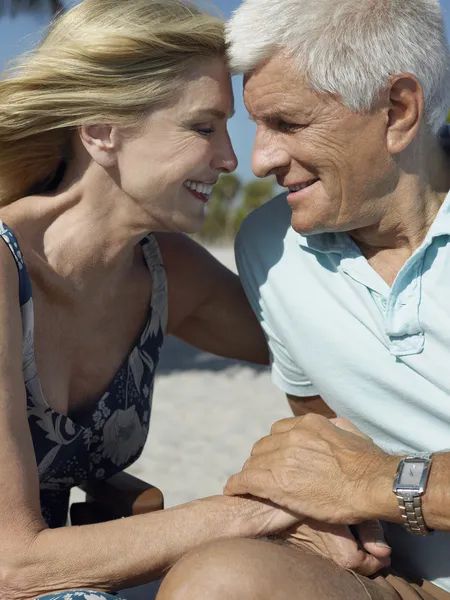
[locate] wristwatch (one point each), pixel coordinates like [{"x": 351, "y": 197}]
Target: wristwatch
[{"x": 409, "y": 485}]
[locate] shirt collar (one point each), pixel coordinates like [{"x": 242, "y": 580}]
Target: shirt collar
[
  {"x": 327, "y": 243},
  {"x": 441, "y": 224}
]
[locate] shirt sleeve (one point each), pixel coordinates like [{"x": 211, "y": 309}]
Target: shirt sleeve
[{"x": 286, "y": 374}]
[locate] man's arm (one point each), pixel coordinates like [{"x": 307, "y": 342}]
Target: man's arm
[
  {"x": 326, "y": 472},
  {"x": 310, "y": 404}
]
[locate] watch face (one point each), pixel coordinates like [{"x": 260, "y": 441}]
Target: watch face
[{"x": 411, "y": 474}]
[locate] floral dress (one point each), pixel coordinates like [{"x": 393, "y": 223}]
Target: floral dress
[
  {"x": 108, "y": 437},
  {"x": 79, "y": 595}
]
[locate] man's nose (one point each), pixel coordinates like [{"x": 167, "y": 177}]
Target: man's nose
[{"x": 269, "y": 157}]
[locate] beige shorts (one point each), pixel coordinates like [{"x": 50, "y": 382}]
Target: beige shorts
[{"x": 405, "y": 588}]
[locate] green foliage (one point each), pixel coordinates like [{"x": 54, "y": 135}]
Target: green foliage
[
  {"x": 230, "y": 203},
  {"x": 448, "y": 117}
]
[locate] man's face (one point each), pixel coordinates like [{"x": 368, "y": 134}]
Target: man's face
[{"x": 308, "y": 139}]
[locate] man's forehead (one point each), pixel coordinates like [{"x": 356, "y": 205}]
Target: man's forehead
[{"x": 266, "y": 98}]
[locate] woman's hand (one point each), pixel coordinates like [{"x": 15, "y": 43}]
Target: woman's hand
[
  {"x": 365, "y": 554},
  {"x": 255, "y": 518}
]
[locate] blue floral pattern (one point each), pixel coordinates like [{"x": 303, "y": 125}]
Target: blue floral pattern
[
  {"x": 79, "y": 595},
  {"x": 108, "y": 438}
]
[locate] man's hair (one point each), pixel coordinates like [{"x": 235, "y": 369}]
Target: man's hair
[
  {"x": 104, "y": 61},
  {"x": 349, "y": 48}
]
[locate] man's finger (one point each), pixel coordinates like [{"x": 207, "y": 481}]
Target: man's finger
[
  {"x": 284, "y": 425},
  {"x": 309, "y": 421},
  {"x": 348, "y": 426},
  {"x": 269, "y": 462},
  {"x": 269, "y": 444},
  {"x": 257, "y": 482}
]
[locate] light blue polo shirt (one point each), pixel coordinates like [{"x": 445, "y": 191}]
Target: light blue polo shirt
[{"x": 378, "y": 355}]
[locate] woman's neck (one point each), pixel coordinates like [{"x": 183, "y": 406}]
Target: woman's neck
[{"x": 86, "y": 232}]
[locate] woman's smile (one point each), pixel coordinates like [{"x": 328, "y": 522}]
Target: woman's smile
[{"x": 202, "y": 191}]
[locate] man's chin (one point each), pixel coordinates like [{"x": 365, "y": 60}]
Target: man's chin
[{"x": 306, "y": 228}]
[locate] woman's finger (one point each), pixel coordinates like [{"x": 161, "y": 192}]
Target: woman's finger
[
  {"x": 370, "y": 565},
  {"x": 371, "y": 537}
]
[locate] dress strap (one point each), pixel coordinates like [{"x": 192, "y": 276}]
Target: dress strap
[
  {"x": 154, "y": 260},
  {"x": 10, "y": 239}
]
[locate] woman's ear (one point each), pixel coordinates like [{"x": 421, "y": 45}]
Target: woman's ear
[
  {"x": 405, "y": 111},
  {"x": 101, "y": 142}
]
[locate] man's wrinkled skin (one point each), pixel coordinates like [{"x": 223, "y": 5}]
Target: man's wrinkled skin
[
  {"x": 317, "y": 469},
  {"x": 361, "y": 548}
]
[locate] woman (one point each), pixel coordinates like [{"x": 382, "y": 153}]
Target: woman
[{"x": 114, "y": 127}]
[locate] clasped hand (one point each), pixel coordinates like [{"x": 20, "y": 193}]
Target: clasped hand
[
  {"x": 314, "y": 467},
  {"x": 362, "y": 550},
  {"x": 323, "y": 470}
]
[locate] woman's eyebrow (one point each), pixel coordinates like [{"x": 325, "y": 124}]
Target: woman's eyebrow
[{"x": 214, "y": 112}]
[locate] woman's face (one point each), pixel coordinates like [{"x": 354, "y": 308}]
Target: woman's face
[{"x": 169, "y": 167}]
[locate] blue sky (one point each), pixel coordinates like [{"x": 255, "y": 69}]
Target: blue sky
[{"x": 22, "y": 32}]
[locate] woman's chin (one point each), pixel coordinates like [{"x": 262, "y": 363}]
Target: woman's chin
[{"x": 190, "y": 225}]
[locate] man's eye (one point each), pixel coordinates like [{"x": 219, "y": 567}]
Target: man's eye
[
  {"x": 288, "y": 127},
  {"x": 206, "y": 131}
]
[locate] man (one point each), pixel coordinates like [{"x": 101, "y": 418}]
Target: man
[{"x": 349, "y": 273}]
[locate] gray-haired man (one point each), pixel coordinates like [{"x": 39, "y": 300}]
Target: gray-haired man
[{"x": 350, "y": 277}]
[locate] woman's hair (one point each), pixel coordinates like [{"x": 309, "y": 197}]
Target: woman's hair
[
  {"x": 104, "y": 61},
  {"x": 349, "y": 48}
]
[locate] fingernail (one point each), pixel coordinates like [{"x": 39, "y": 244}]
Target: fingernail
[{"x": 382, "y": 544}]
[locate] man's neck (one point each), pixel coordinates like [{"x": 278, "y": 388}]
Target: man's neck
[{"x": 410, "y": 210}]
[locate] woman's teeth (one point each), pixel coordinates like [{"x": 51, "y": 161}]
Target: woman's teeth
[
  {"x": 302, "y": 186},
  {"x": 201, "y": 188}
]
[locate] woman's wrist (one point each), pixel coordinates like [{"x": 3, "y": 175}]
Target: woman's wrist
[
  {"x": 227, "y": 516},
  {"x": 249, "y": 517}
]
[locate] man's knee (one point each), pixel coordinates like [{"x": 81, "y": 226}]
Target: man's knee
[
  {"x": 245, "y": 569},
  {"x": 218, "y": 570}
]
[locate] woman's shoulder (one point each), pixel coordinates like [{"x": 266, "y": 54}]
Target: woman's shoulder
[
  {"x": 193, "y": 273},
  {"x": 9, "y": 245},
  {"x": 13, "y": 270},
  {"x": 9, "y": 260},
  {"x": 181, "y": 252}
]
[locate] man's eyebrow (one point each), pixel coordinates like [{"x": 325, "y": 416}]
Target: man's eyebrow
[
  {"x": 271, "y": 117},
  {"x": 213, "y": 112}
]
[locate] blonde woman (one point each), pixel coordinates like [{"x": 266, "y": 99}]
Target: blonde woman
[{"x": 115, "y": 127}]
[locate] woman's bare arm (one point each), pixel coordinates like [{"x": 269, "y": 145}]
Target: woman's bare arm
[
  {"x": 207, "y": 304},
  {"x": 35, "y": 560}
]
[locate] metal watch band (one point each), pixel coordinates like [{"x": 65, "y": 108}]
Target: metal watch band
[
  {"x": 410, "y": 501},
  {"x": 412, "y": 515}
]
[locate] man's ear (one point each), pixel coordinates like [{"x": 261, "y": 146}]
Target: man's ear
[
  {"x": 405, "y": 102},
  {"x": 101, "y": 142}
]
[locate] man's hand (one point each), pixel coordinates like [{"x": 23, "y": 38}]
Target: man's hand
[
  {"x": 315, "y": 468},
  {"x": 365, "y": 555}
]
